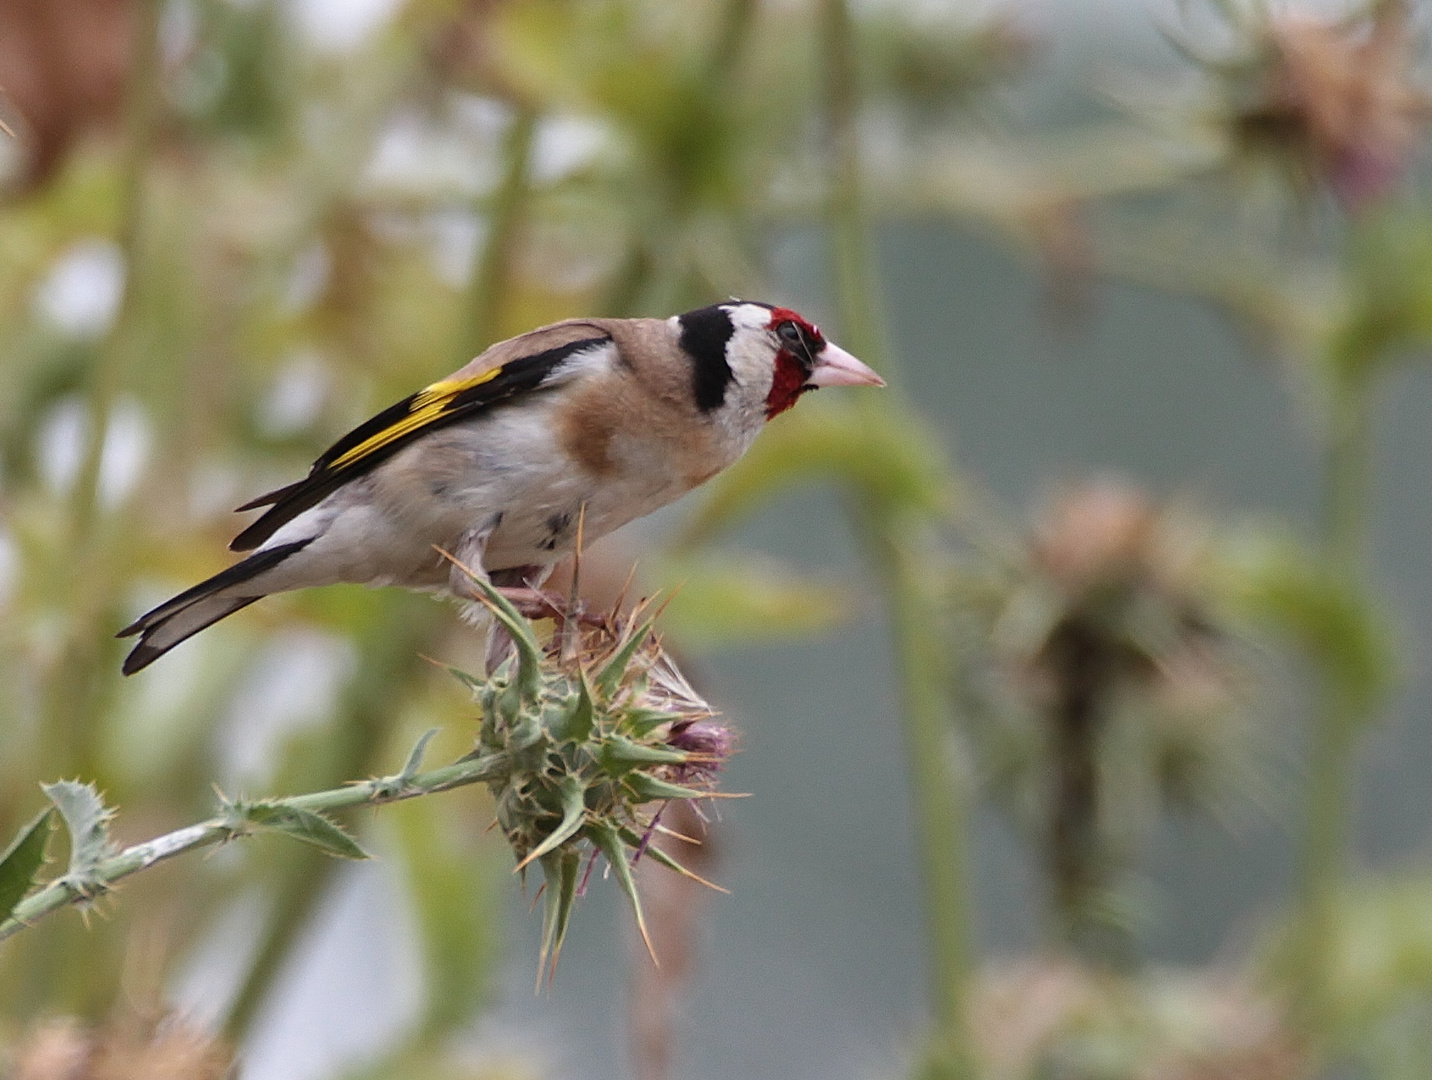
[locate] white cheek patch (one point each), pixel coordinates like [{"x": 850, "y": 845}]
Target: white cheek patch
[
  {"x": 750, "y": 353},
  {"x": 750, "y": 317}
]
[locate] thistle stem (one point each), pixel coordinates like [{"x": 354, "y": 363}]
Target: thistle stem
[
  {"x": 75, "y": 681},
  {"x": 61, "y": 892},
  {"x": 1074, "y": 857},
  {"x": 491, "y": 286},
  {"x": 1329, "y": 791},
  {"x": 940, "y": 809}
]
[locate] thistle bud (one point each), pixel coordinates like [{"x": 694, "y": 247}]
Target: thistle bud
[{"x": 598, "y": 730}]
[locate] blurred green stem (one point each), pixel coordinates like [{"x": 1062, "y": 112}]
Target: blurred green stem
[
  {"x": 107, "y": 374},
  {"x": 856, "y": 283},
  {"x": 74, "y": 687},
  {"x": 732, "y": 33},
  {"x": 1329, "y": 792},
  {"x": 940, "y": 810},
  {"x": 491, "y": 282},
  {"x": 628, "y": 291},
  {"x": 1348, "y": 463}
]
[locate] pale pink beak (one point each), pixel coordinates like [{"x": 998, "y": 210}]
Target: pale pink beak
[{"x": 836, "y": 367}]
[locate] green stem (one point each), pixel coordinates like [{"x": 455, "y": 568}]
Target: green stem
[
  {"x": 491, "y": 284},
  {"x": 76, "y": 682},
  {"x": 732, "y": 34},
  {"x": 131, "y": 860},
  {"x": 1348, "y": 470},
  {"x": 940, "y": 809},
  {"x": 1329, "y": 792},
  {"x": 856, "y": 282},
  {"x": 107, "y": 376}
]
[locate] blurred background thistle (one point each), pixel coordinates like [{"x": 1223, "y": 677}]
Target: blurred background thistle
[{"x": 1131, "y": 787}]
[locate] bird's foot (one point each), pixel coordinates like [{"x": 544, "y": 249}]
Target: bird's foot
[{"x": 534, "y": 603}]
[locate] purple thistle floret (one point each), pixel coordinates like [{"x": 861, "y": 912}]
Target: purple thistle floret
[{"x": 710, "y": 745}]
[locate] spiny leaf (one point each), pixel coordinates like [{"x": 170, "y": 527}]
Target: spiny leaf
[
  {"x": 560, "y": 872},
  {"x": 529, "y": 653},
  {"x": 609, "y": 843},
  {"x": 392, "y": 787},
  {"x": 22, "y": 861},
  {"x": 552, "y": 873},
  {"x": 643, "y": 721},
  {"x": 415, "y": 758},
  {"x": 578, "y": 724},
  {"x": 302, "y": 825},
  {"x": 574, "y": 809},
  {"x": 611, "y": 674},
  {"x": 647, "y": 787},
  {"x": 87, "y": 819},
  {"x": 651, "y": 851},
  {"x": 571, "y": 863},
  {"x": 472, "y": 682},
  {"x": 619, "y": 753}
]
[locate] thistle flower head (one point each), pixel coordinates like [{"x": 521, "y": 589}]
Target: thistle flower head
[
  {"x": 1107, "y": 683},
  {"x": 597, "y": 731},
  {"x": 1329, "y": 101}
]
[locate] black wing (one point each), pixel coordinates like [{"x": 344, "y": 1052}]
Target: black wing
[{"x": 380, "y": 438}]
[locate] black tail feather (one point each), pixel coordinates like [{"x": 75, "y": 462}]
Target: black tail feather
[
  {"x": 154, "y": 642},
  {"x": 145, "y": 653}
]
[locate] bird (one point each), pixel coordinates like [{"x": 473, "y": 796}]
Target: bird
[{"x": 598, "y": 420}]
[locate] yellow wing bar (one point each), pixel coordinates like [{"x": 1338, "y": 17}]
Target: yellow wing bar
[{"x": 427, "y": 405}]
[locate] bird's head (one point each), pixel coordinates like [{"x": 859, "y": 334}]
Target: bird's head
[{"x": 768, "y": 355}]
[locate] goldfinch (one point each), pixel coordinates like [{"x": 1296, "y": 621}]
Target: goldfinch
[{"x": 606, "y": 419}]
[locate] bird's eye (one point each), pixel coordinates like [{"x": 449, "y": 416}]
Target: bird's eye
[{"x": 789, "y": 333}]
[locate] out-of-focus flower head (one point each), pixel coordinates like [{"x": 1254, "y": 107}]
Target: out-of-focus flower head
[
  {"x": 1106, "y": 686},
  {"x": 1058, "y": 1018},
  {"x": 1330, "y": 102},
  {"x": 168, "y": 1050},
  {"x": 1115, "y": 581}
]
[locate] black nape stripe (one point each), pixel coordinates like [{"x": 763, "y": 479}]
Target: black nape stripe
[{"x": 705, "y": 333}]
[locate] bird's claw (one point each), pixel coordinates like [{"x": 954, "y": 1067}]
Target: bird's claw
[{"x": 539, "y": 604}]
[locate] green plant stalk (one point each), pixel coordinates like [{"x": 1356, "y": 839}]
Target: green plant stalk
[
  {"x": 940, "y": 811},
  {"x": 628, "y": 287},
  {"x": 73, "y": 692},
  {"x": 107, "y": 375},
  {"x": 856, "y": 286},
  {"x": 61, "y": 893},
  {"x": 732, "y": 33},
  {"x": 491, "y": 284},
  {"x": 1330, "y": 765}
]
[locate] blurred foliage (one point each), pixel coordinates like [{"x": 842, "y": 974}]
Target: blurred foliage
[
  {"x": 234, "y": 230},
  {"x": 1053, "y": 1018}
]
